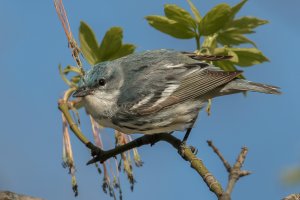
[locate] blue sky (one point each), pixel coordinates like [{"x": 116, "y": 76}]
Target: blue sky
[{"x": 33, "y": 44}]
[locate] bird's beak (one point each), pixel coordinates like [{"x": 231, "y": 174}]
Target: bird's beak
[{"x": 82, "y": 92}]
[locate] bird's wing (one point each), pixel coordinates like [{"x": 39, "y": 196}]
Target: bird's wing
[
  {"x": 167, "y": 85},
  {"x": 207, "y": 57}
]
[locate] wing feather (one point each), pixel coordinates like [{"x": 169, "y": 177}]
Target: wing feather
[
  {"x": 207, "y": 57},
  {"x": 193, "y": 87},
  {"x": 168, "y": 78}
]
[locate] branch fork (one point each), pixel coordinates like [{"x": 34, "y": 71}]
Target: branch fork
[{"x": 235, "y": 172}]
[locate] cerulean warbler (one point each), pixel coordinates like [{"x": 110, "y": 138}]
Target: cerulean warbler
[{"x": 158, "y": 91}]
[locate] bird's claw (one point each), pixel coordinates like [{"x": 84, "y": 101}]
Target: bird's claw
[
  {"x": 96, "y": 153},
  {"x": 194, "y": 150},
  {"x": 97, "y": 156},
  {"x": 183, "y": 147}
]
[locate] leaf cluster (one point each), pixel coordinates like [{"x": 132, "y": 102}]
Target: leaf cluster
[
  {"x": 110, "y": 48},
  {"x": 219, "y": 30}
]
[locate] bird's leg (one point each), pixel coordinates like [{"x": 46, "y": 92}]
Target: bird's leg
[
  {"x": 186, "y": 136},
  {"x": 188, "y": 131},
  {"x": 183, "y": 143}
]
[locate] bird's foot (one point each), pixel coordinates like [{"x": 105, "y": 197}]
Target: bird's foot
[
  {"x": 194, "y": 150},
  {"x": 97, "y": 154},
  {"x": 183, "y": 147}
]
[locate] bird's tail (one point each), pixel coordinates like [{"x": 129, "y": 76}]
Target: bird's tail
[{"x": 240, "y": 85}]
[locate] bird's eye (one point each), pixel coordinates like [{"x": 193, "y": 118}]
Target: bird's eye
[{"x": 102, "y": 82}]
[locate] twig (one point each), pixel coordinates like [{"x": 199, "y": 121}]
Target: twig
[
  {"x": 235, "y": 172},
  {"x": 225, "y": 163},
  {"x": 64, "y": 108},
  {"x": 75, "y": 50}
]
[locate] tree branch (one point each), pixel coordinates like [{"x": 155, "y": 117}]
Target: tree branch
[
  {"x": 225, "y": 163},
  {"x": 235, "y": 172},
  {"x": 186, "y": 152}
]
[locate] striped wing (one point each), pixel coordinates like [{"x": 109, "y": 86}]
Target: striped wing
[
  {"x": 192, "y": 86},
  {"x": 207, "y": 57}
]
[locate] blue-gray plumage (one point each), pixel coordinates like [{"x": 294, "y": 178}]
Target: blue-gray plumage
[{"x": 156, "y": 91}]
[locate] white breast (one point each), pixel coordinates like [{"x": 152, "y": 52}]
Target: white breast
[{"x": 101, "y": 105}]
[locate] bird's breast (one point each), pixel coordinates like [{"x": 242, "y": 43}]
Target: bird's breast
[{"x": 100, "y": 109}]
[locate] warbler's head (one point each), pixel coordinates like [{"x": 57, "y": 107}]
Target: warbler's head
[{"x": 102, "y": 81}]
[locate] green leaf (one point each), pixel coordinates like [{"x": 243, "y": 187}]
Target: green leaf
[
  {"x": 235, "y": 57},
  {"x": 111, "y": 46},
  {"x": 248, "y": 23},
  {"x": 195, "y": 11},
  {"x": 249, "y": 56},
  {"x": 170, "y": 27},
  {"x": 227, "y": 52},
  {"x": 240, "y": 30},
  {"x": 220, "y": 51},
  {"x": 232, "y": 38},
  {"x": 227, "y": 66},
  {"x": 179, "y": 15},
  {"x": 235, "y": 9},
  {"x": 88, "y": 43},
  {"x": 215, "y": 19},
  {"x": 125, "y": 50},
  {"x": 111, "y": 43},
  {"x": 210, "y": 42}
]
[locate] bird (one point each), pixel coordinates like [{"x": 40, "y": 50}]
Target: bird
[{"x": 157, "y": 91}]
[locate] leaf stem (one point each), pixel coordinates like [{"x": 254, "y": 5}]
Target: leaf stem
[{"x": 197, "y": 37}]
